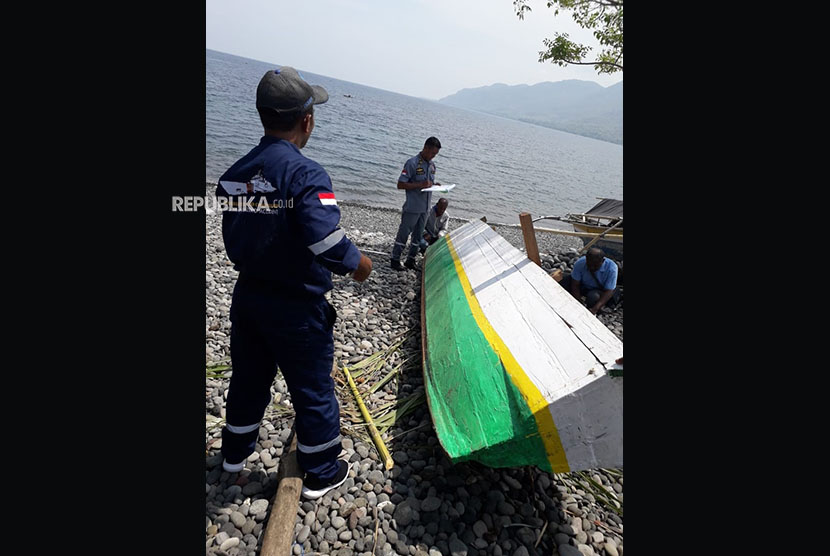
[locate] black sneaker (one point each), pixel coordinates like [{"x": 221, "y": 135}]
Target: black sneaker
[
  {"x": 314, "y": 488},
  {"x": 396, "y": 265},
  {"x": 423, "y": 250},
  {"x": 410, "y": 264}
]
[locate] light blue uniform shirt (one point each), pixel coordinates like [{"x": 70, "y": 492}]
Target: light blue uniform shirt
[
  {"x": 416, "y": 169},
  {"x": 607, "y": 274}
]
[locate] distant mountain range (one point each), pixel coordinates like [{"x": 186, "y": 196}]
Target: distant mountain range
[{"x": 581, "y": 107}]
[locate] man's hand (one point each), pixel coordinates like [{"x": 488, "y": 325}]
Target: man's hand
[
  {"x": 425, "y": 184},
  {"x": 364, "y": 268}
]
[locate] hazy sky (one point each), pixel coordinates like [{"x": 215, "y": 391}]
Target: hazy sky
[{"x": 423, "y": 48}]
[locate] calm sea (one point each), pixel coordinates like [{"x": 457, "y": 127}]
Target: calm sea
[{"x": 501, "y": 167}]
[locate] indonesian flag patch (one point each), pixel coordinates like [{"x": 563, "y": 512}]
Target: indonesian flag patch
[{"x": 327, "y": 198}]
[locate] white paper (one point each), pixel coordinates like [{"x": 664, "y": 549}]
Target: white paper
[{"x": 441, "y": 188}]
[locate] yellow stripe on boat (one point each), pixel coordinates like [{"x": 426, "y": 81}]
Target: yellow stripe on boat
[{"x": 536, "y": 401}]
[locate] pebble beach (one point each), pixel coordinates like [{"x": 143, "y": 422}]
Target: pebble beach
[{"x": 424, "y": 505}]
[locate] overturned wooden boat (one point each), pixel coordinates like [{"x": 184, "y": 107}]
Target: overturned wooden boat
[{"x": 517, "y": 372}]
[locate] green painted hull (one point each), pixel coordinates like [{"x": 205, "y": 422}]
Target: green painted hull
[{"x": 478, "y": 412}]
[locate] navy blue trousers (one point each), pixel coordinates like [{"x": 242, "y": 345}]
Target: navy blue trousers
[
  {"x": 412, "y": 223},
  {"x": 270, "y": 330},
  {"x": 591, "y": 295}
]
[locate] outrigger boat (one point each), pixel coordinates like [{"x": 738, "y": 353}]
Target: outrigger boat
[
  {"x": 517, "y": 372},
  {"x": 604, "y": 218}
]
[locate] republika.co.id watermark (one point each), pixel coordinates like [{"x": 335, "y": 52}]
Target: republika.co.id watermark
[{"x": 213, "y": 205}]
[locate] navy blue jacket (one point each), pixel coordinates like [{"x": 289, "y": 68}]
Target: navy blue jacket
[{"x": 295, "y": 243}]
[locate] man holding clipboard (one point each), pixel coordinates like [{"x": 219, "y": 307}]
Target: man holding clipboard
[{"x": 418, "y": 173}]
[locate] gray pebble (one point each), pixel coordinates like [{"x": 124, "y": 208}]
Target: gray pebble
[
  {"x": 347, "y": 508},
  {"x": 506, "y": 508},
  {"x": 585, "y": 550},
  {"x": 404, "y": 514},
  {"x": 228, "y": 544},
  {"x": 303, "y": 534},
  {"x": 330, "y": 534},
  {"x": 458, "y": 548},
  {"x": 258, "y": 506},
  {"x": 526, "y": 535},
  {"x": 567, "y": 529},
  {"x": 479, "y": 528},
  {"x": 238, "y": 519},
  {"x": 511, "y": 482},
  {"x": 430, "y": 504},
  {"x": 252, "y": 488}
]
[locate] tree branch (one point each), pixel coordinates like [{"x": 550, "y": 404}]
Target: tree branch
[{"x": 593, "y": 63}]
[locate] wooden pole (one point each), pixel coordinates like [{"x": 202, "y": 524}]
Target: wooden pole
[
  {"x": 279, "y": 533},
  {"x": 531, "y": 249},
  {"x": 596, "y": 239},
  {"x": 373, "y": 431},
  {"x": 567, "y": 233}
]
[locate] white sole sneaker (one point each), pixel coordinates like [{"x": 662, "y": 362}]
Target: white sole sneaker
[{"x": 314, "y": 492}]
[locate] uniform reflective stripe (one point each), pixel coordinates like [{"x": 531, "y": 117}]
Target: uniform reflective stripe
[
  {"x": 399, "y": 243},
  {"x": 327, "y": 243},
  {"x": 243, "y": 430},
  {"x": 319, "y": 447}
]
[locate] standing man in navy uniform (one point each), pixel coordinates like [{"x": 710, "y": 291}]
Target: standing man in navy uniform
[
  {"x": 418, "y": 173},
  {"x": 285, "y": 251}
]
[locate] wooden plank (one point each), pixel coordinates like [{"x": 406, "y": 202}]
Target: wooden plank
[
  {"x": 542, "y": 343},
  {"x": 279, "y": 533},
  {"x": 531, "y": 248},
  {"x": 575, "y": 234},
  {"x": 580, "y": 321},
  {"x": 590, "y": 331}
]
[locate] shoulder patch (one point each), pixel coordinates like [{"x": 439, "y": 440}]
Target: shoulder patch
[{"x": 327, "y": 198}]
